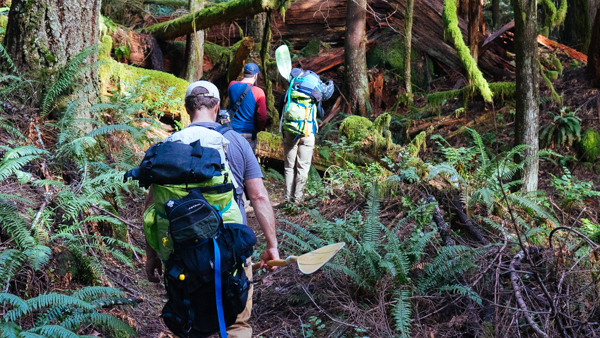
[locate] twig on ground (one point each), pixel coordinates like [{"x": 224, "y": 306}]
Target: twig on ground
[
  {"x": 327, "y": 314},
  {"x": 117, "y": 217},
  {"x": 514, "y": 279}
]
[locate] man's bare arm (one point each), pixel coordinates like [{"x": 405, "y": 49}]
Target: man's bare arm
[
  {"x": 153, "y": 262},
  {"x": 258, "y": 195}
]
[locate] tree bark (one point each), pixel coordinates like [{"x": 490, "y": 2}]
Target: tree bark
[
  {"x": 473, "y": 32},
  {"x": 43, "y": 36},
  {"x": 256, "y": 27},
  {"x": 194, "y": 48},
  {"x": 576, "y": 31},
  {"x": 273, "y": 116},
  {"x": 356, "y": 62},
  {"x": 408, "y": 22},
  {"x": 593, "y": 66},
  {"x": 527, "y": 94},
  {"x": 208, "y": 17},
  {"x": 495, "y": 14}
]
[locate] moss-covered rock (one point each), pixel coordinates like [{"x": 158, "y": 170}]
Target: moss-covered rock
[
  {"x": 590, "y": 145},
  {"x": 113, "y": 73},
  {"x": 355, "y": 128}
]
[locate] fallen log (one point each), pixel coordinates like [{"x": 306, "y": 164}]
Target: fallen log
[
  {"x": 552, "y": 45},
  {"x": 239, "y": 60},
  {"x": 464, "y": 220},
  {"x": 329, "y": 60},
  {"x": 499, "y": 32},
  {"x": 210, "y": 16}
]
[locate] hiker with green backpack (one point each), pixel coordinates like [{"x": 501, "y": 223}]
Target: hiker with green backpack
[
  {"x": 299, "y": 108},
  {"x": 194, "y": 226}
]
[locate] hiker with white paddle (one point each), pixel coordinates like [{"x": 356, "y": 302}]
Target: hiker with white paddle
[
  {"x": 195, "y": 222},
  {"x": 299, "y": 108}
]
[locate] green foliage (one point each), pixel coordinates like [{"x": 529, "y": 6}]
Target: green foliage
[
  {"x": 500, "y": 90},
  {"x": 60, "y": 315},
  {"x": 9, "y": 62},
  {"x": 312, "y": 48},
  {"x": 66, "y": 78},
  {"x": 572, "y": 191},
  {"x": 590, "y": 145},
  {"x": 477, "y": 176},
  {"x": 565, "y": 128}
]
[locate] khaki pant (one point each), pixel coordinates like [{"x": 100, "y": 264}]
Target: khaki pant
[
  {"x": 241, "y": 328},
  {"x": 298, "y": 152}
]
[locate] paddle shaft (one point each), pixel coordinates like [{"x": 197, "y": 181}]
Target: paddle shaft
[{"x": 277, "y": 262}]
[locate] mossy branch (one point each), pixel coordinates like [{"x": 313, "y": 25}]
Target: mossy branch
[
  {"x": 454, "y": 33},
  {"x": 502, "y": 90},
  {"x": 554, "y": 95},
  {"x": 554, "y": 17},
  {"x": 211, "y": 16}
]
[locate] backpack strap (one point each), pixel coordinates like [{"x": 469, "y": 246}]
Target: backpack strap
[
  {"x": 219, "y": 291},
  {"x": 238, "y": 102}
]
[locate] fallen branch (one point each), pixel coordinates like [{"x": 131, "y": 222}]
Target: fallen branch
[
  {"x": 336, "y": 109},
  {"x": 551, "y": 44},
  {"x": 464, "y": 220},
  {"x": 117, "y": 217},
  {"x": 441, "y": 224},
  {"x": 499, "y": 32},
  {"x": 514, "y": 279}
]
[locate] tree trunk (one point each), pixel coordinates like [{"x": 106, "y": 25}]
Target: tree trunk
[
  {"x": 576, "y": 30},
  {"x": 527, "y": 94},
  {"x": 208, "y": 17},
  {"x": 356, "y": 63},
  {"x": 194, "y": 48},
  {"x": 256, "y": 27},
  {"x": 273, "y": 116},
  {"x": 495, "y": 14},
  {"x": 242, "y": 53},
  {"x": 408, "y": 21},
  {"x": 593, "y": 66},
  {"x": 43, "y": 36},
  {"x": 473, "y": 32}
]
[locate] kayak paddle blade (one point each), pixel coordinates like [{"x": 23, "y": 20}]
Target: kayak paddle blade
[{"x": 284, "y": 62}]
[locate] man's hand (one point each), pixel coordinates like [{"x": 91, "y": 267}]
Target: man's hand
[
  {"x": 267, "y": 255},
  {"x": 153, "y": 263}
]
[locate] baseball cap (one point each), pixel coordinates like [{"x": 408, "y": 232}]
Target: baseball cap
[
  {"x": 251, "y": 68},
  {"x": 202, "y": 88}
]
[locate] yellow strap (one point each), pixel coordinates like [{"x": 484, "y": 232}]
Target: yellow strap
[{"x": 306, "y": 122}]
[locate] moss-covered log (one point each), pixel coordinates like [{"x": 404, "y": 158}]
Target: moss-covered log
[
  {"x": 454, "y": 33},
  {"x": 122, "y": 76},
  {"x": 167, "y": 3},
  {"x": 237, "y": 64},
  {"x": 210, "y": 16}
]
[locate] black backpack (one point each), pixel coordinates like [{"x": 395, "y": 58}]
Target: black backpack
[{"x": 204, "y": 276}]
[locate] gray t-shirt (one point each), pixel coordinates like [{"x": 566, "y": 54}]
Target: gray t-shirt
[{"x": 242, "y": 161}]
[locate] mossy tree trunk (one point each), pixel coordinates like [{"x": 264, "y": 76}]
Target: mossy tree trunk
[
  {"x": 473, "y": 32},
  {"x": 357, "y": 82},
  {"x": 576, "y": 32},
  {"x": 194, "y": 48},
  {"x": 408, "y": 22},
  {"x": 42, "y": 36},
  {"x": 593, "y": 66},
  {"x": 273, "y": 116},
  {"x": 210, "y": 16},
  {"x": 527, "y": 93}
]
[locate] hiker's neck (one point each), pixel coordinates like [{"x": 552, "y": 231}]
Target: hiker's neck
[
  {"x": 249, "y": 80},
  {"x": 204, "y": 115}
]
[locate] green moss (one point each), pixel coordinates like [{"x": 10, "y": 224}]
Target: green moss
[
  {"x": 554, "y": 95},
  {"x": 312, "y": 48},
  {"x": 590, "y": 145},
  {"x": 417, "y": 144},
  {"x": 355, "y": 128},
  {"x": 588, "y": 165},
  {"x": 3, "y": 21},
  {"x": 382, "y": 137},
  {"x": 597, "y": 168},
  {"x": 375, "y": 57},
  {"x": 501, "y": 90},
  {"x": 453, "y": 32},
  {"x": 265, "y": 140},
  {"x": 123, "y": 76},
  {"x": 557, "y": 65}
]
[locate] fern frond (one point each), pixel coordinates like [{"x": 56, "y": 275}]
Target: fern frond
[
  {"x": 463, "y": 290},
  {"x": 13, "y": 300},
  {"x": 44, "y": 301},
  {"x": 402, "y": 313},
  {"x": 53, "y": 331},
  {"x": 66, "y": 78},
  {"x": 533, "y": 208},
  {"x": 10, "y": 330},
  {"x": 4, "y": 55}
]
